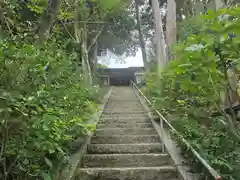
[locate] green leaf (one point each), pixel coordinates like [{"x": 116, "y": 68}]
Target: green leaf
[
  {"x": 45, "y": 176},
  {"x": 35, "y": 166},
  {"x": 185, "y": 65},
  {"x": 48, "y": 162}
]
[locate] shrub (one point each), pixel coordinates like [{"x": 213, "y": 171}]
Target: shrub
[
  {"x": 44, "y": 105},
  {"x": 190, "y": 86}
]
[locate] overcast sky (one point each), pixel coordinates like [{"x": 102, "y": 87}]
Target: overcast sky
[{"x": 113, "y": 62}]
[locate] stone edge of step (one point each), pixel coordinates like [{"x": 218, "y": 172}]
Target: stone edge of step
[
  {"x": 119, "y": 155},
  {"x": 124, "y": 136},
  {"x": 172, "y": 167},
  {"x": 102, "y": 173},
  {"x": 127, "y": 144},
  {"x": 161, "y": 169},
  {"x": 124, "y": 148},
  {"x": 125, "y": 129},
  {"x": 125, "y": 139},
  {"x": 90, "y": 159}
]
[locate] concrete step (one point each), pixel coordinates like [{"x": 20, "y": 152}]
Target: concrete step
[
  {"x": 126, "y": 125},
  {"x": 125, "y": 115},
  {"x": 125, "y": 131},
  {"x": 126, "y": 160},
  {"x": 125, "y": 139},
  {"x": 124, "y": 110},
  {"x": 124, "y": 120},
  {"x": 117, "y": 102},
  {"x": 124, "y": 99},
  {"x": 124, "y": 106},
  {"x": 137, "y": 173},
  {"x": 124, "y": 148},
  {"x": 121, "y": 112}
]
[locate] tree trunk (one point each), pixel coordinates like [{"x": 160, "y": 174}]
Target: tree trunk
[
  {"x": 81, "y": 38},
  {"x": 48, "y": 18},
  {"x": 86, "y": 65},
  {"x": 232, "y": 98},
  {"x": 92, "y": 55},
  {"x": 171, "y": 25},
  {"x": 160, "y": 41},
  {"x": 141, "y": 40},
  {"x": 219, "y": 4}
]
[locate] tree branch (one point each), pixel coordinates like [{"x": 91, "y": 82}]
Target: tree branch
[
  {"x": 95, "y": 40},
  {"x": 68, "y": 31}
]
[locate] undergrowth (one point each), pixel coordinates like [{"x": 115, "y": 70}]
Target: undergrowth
[
  {"x": 44, "y": 105},
  {"x": 189, "y": 90}
]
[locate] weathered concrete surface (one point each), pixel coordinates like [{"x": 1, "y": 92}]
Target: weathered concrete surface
[
  {"x": 125, "y": 131},
  {"x": 125, "y": 125},
  {"x": 121, "y": 120},
  {"x": 125, "y": 139},
  {"x": 131, "y": 116},
  {"x": 126, "y": 111},
  {"x": 139, "y": 173},
  {"x": 125, "y": 145},
  {"x": 124, "y": 148},
  {"x": 126, "y": 160}
]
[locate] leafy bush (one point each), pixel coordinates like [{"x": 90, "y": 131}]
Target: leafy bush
[
  {"x": 190, "y": 89},
  {"x": 44, "y": 105}
]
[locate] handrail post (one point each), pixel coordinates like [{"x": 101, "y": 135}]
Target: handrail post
[{"x": 162, "y": 143}]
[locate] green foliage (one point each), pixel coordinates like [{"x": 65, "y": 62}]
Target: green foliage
[
  {"x": 190, "y": 86},
  {"x": 118, "y": 35},
  {"x": 44, "y": 105},
  {"x": 189, "y": 27}
]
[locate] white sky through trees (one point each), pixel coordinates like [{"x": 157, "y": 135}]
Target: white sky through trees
[{"x": 113, "y": 62}]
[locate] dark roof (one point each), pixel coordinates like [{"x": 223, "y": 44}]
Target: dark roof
[{"x": 119, "y": 71}]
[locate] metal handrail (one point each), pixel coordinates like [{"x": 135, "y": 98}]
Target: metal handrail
[{"x": 212, "y": 171}]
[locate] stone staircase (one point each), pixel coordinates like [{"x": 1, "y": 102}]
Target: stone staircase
[{"x": 125, "y": 145}]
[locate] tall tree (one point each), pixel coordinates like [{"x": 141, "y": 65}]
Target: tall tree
[
  {"x": 219, "y": 4},
  {"x": 140, "y": 34},
  {"x": 171, "y": 25},
  {"x": 47, "y": 19},
  {"x": 159, "y": 35}
]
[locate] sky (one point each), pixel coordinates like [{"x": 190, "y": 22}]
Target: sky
[{"x": 113, "y": 62}]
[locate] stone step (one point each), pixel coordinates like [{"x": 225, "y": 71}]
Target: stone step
[
  {"x": 124, "y": 106},
  {"x": 136, "y": 173},
  {"x": 127, "y": 112},
  {"x": 119, "y": 102},
  {"x": 116, "y": 102},
  {"x": 126, "y": 160},
  {"x": 135, "y": 105},
  {"x": 125, "y": 131},
  {"x": 125, "y": 120},
  {"x": 130, "y": 116},
  {"x": 124, "y": 148},
  {"x": 125, "y": 139},
  {"x": 124, "y": 110},
  {"x": 125, "y": 125},
  {"x": 125, "y": 99}
]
